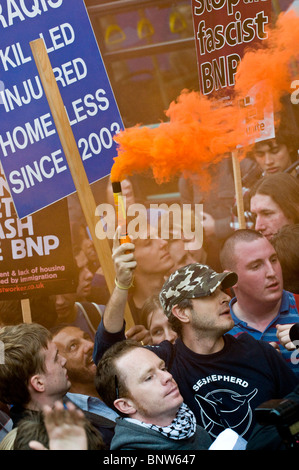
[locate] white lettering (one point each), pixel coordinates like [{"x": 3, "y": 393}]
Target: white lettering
[{"x": 23, "y": 11}]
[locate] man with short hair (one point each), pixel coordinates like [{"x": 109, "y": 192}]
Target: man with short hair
[
  {"x": 34, "y": 374},
  {"x": 136, "y": 383},
  {"x": 221, "y": 378},
  {"x": 260, "y": 303},
  {"x": 76, "y": 346}
]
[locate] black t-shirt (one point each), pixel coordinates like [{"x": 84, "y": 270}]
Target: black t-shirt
[{"x": 224, "y": 388}]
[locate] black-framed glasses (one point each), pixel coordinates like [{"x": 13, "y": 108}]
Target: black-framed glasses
[{"x": 116, "y": 387}]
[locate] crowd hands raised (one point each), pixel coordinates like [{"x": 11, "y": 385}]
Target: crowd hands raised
[{"x": 210, "y": 341}]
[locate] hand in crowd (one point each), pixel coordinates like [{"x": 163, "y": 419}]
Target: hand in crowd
[
  {"x": 283, "y": 334},
  {"x": 275, "y": 346},
  {"x": 65, "y": 428},
  {"x": 139, "y": 333},
  {"x": 124, "y": 261}
]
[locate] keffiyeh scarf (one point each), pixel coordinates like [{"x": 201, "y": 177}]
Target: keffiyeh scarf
[{"x": 182, "y": 427}]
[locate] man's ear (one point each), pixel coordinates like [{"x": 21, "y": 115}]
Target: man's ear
[
  {"x": 181, "y": 314},
  {"x": 125, "y": 406},
  {"x": 37, "y": 383}
]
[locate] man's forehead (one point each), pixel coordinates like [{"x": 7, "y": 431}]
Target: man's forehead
[
  {"x": 248, "y": 251},
  {"x": 262, "y": 202},
  {"x": 136, "y": 361},
  {"x": 67, "y": 333},
  {"x": 264, "y": 145}
]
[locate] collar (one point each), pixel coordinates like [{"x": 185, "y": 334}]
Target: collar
[{"x": 283, "y": 309}]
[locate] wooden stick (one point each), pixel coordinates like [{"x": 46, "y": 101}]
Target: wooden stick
[
  {"x": 76, "y": 166},
  {"x": 26, "y": 311},
  {"x": 238, "y": 190}
]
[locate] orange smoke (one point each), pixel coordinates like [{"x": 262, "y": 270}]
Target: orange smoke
[
  {"x": 201, "y": 130},
  {"x": 198, "y": 133},
  {"x": 271, "y": 67}
]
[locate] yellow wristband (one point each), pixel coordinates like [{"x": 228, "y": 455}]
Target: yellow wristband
[{"x": 123, "y": 287}]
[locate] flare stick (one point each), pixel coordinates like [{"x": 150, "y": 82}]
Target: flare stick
[
  {"x": 120, "y": 207},
  {"x": 238, "y": 190}
]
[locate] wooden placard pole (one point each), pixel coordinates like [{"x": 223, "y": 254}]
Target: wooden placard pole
[
  {"x": 73, "y": 157},
  {"x": 238, "y": 190},
  {"x": 26, "y": 310}
]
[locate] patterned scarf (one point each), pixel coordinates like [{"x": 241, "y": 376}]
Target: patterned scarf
[{"x": 182, "y": 427}]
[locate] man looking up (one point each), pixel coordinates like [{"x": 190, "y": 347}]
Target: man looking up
[
  {"x": 221, "y": 378},
  {"x": 135, "y": 382},
  {"x": 76, "y": 347},
  {"x": 34, "y": 373}
]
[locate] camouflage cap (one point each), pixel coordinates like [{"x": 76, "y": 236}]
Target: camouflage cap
[{"x": 191, "y": 282}]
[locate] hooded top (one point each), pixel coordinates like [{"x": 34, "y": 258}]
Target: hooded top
[{"x": 131, "y": 436}]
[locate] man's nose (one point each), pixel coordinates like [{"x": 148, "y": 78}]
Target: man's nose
[{"x": 259, "y": 224}]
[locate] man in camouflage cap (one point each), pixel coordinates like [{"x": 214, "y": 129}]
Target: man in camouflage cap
[
  {"x": 191, "y": 282},
  {"x": 221, "y": 378},
  {"x": 197, "y": 281}
]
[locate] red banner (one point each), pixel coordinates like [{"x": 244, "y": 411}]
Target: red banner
[{"x": 223, "y": 30}]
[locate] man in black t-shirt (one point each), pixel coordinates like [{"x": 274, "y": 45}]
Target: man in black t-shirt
[{"x": 221, "y": 378}]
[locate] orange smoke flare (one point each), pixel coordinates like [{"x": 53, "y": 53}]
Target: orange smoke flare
[{"x": 201, "y": 130}]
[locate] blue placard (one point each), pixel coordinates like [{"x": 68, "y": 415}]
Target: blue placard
[{"x": 30, "y": 150}]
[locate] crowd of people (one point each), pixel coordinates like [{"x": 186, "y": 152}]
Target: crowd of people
[{"x": 211, "y": 336}]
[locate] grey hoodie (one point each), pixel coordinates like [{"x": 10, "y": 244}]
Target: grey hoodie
[{"x": 131, "y": 436}]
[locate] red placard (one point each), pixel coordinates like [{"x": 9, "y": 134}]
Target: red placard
[{"x": 223, "y": 29}]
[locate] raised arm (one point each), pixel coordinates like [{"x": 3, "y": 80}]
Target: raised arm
[
  {"x": 124, "y": 263},
  {"x": 111, "y": 328}
]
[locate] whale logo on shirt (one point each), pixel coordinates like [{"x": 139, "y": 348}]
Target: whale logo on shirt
[{"x": 221, "y": 409}]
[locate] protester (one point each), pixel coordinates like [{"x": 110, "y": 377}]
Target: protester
[
  {"x": 221, "y": 378},
  {"x": 260, "y": 303},
  {"x": 286, "y": 242},
  {"x": 135, "y": 382},
  {"x": 217, "y": 202},
  {"x": 274, "y": 203},
  {"x": 85, "y": 277},
  {"x": 156, "y": 322},
  {"x": 98, "y": 291},
  {"x": 34, "y": 373},
  {"x": 76, "y": 347},
  {"x": 276, "y": 155},
  {"x": 85, "y": 315},
  {"x": 184, "y": 231}
]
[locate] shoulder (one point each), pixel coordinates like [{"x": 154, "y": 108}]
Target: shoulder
[{"x": 166, "y": 350}]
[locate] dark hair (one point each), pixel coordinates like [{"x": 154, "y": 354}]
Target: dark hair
[
  {"x": 23, "y": 351},
  {"x": 284, "y": 190},
  {"x": 227, "y": 253},
  {"x": 286, "y": 242},
  {"x": 174, "y": 322},
  {"x": 107, "y": 370},
  {"x": 151, "y": 304}
]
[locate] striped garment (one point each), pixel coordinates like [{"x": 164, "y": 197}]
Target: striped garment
[{"x": 288, "y": 313}]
